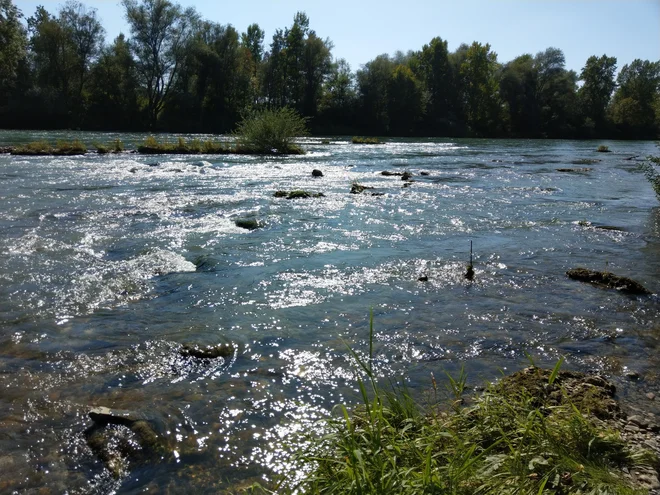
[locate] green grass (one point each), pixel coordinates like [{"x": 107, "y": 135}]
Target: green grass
[
  {"x": 507, "y": 441},
  {"x": 151, "y": 146},
  {"x": 74, "y": 147},
  {"x": 603, "y": 149},
  {"x": 365, "y": 140}
]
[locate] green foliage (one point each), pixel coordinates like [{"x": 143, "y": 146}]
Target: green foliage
[
  {"x": 506, "y": 442},
  {"x": 603, "y": 149},
  {"x": 480, "y": 88},
  {"x": 271, "y": 131},
  {"x": 13, "y": 45},
  {"x": 635, "y": 103},
  {"x": 161, "y": 31},
  {"x": 595, "y": 93}
]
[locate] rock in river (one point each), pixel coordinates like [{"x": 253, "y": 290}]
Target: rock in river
[
  {"x": 607, "y": 280},
  {"x": 209, "y": 352}
]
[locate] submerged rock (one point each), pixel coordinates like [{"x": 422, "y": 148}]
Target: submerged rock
[
  {"x": 607, "y": 280},
  {"x": 317, "y": 173},
  {"x": 124, "y": 438},
  {"x": 103, "y": 416},
  {"x": 406, "y": 176},
  {"x": 208, "y": 352},
  {"x": 574, "y": 170},
  {"x": 387, "y": 173}
]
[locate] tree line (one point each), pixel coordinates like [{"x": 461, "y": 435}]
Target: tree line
[{"x": 178, "y": 72}]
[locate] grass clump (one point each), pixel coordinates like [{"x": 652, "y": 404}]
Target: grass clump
[
  {"x": 74, "y": 147},
  {"x": 271, "y": 132},
  {"x": 365, "y": 140},
  {"x": 603, "y": 149},
  {"x": 195, "y": 146},
  {"x": 533, "y": 434}
]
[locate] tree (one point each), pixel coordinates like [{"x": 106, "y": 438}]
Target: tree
[
  {"x": 338, "y": 102},
  {"x": 373, "y": 84},
  {"x": 216, "y": 84},
  {"x": 518, "y": 89},
  {"x": 297, "y": 66},
  {"x": 636, "y": 99},
  {"x": 404, "y": 101},
  {"x": 480, "y": 88},
  {"x": 434, "y": 69},
  {"x": 55, "y": 65},
  {"x": 113, "y": 88},
  {"x": 556, "y": 93},
  {"x": 86, "y": 37},
  {"x": 253, "y": 40},
  {"x": 598, "y": 84},
  {"x": 161, "y": 31},
  {"x": 13, "y": 44}
]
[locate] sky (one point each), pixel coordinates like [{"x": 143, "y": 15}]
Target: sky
[{"x": 363, "y": 29}]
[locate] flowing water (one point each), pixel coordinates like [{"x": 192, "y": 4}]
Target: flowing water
[{"x": 109, "y": 264}]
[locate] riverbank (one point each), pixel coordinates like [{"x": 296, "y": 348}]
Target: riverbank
[{"x": 534, "y": 431}]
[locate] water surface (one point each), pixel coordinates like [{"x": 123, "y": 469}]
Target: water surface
[{"x": 109, "y": 264}]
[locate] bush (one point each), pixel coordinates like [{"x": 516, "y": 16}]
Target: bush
[{"x": 271, "y": 131}]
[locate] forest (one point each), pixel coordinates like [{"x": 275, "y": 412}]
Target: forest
[{"x": 175, "y": 71}]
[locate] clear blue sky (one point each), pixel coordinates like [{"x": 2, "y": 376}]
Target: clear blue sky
[{"x": 363, "y": 29}]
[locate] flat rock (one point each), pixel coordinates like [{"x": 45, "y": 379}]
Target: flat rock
[
  {"x": 105, "y": 416},
  {"x": 607, "y": 280}
]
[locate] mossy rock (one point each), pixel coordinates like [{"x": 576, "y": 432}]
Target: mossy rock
[
  {"x": 247, "y": 223},
  {"x": 297, "y": 194},
  {"x": 591, "y": 394},
  {"x": 608, "y": 280},
  {"x": 359, "y": 188}
]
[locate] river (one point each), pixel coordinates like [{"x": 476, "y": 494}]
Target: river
[{"x": 110, "y": 263}]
